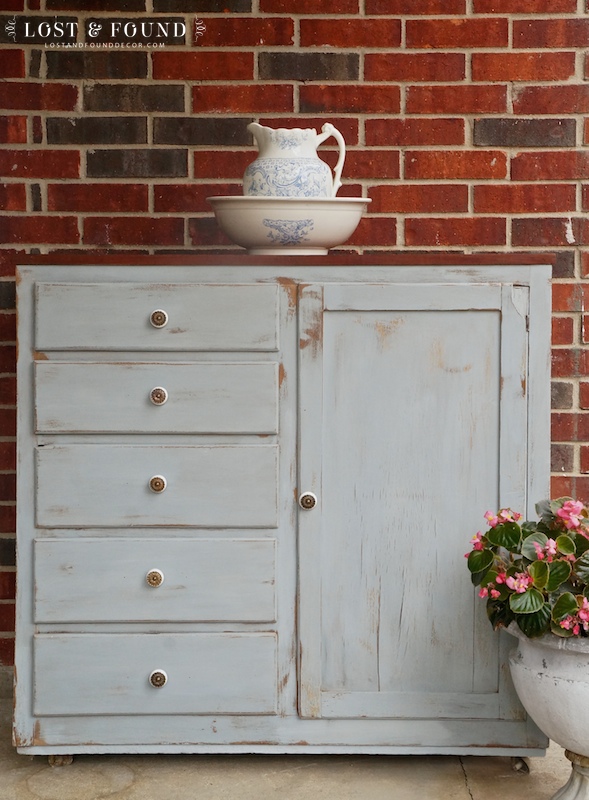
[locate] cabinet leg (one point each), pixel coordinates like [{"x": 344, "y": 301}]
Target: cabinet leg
[
  {"x": 60, "y": 761},
  {"x": 520, "y": 764}
]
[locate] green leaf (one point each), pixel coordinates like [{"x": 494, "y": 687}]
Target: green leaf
[
  {"x": 528, "y": 602},
  {"x": 581, "y": 544},
  {"x": 582, "y": 568},
  {"x": 508, "y": 535},
  {"x": 528, "y": 549},
  {"x": 539, "y": 572},
  {"x": 565, "y": 544},
  {"x": 543, "y": 508},
  {"x": 528, "y": 528},
  {"x": 558, "y": 631},
  {"x": 559, "y": 572},
  {"x": 499, "y": 614},
  {"x": 480, "y": 560},
  {"x": 565, "y": 605},
  {"x": 536, "y": 624}
]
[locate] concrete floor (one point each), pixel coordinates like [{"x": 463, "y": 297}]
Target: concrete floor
[{"x": 264, "y": 778}]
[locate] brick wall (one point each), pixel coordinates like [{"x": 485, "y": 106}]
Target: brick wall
[{"x": 464, "y": 121}]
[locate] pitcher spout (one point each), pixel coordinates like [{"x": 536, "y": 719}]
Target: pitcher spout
[{"x": 260, "y": 133}]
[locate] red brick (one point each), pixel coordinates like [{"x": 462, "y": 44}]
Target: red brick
[
  {"x": 583, "y": 428},
  {"x": 7, "y": 358},
  {"x": 7, "y": 652},
  {"x": 350, "y": 33},
  {"x": 550, "y": 165},
  {"x": 525, "y": 6},
  {"x": 552, "y": 33},
  {"x": 561, "y": 486},
  {"x": 40, "y": 163},
  {"x": 97, "y": 197},
  {"x": 222, "y": 163},
  {"x": 7, "y": 519},
  {"x": 584, "y": 394},
  {"x": 375, "y": 231},
  {"x": 7, "y": 455},
  {"x": 550, "y": 232},
  {"x": 13, "y": 197},
  {"x": 204, "y": 231},
  {"x": 7, "y": 425},
  {"x": 563, "y": 427},
  {"x": 567, "y": 297},
  {"x": 524, "y": 198},
  {"x": 584, "y": 458},
  {"x": 371, "y": 164},
  {"x": 414, "y": 132},
  {"x": 585, "y": 328},
  {"x": 12, "y": 63},
  {"x": 231, "y": 31},
  {"x": 8, "y": 259},
  {"x": 585, "y": 265},
  {"x": 562, "y": 457},
  {"x": 351, "y": 99},
  {"x": 7, "y": 486},
  {"x": 564, "y": 363},
  {"x": 309, "y": 7},
  {"x": 7, "y": 394},
  {"x": 415, "y": 7},
  {"x": 12, "y": 5},
  {"x": 585, "y": 198},
  {"x": 455, "y": 33},
  {"x": 149, "y": 231},
  {"x": 203, "y": 66},
  {"x": 7, "y": 327},
  {"x": 190, "y": 197},
  {"x": 39, "y": 96},
  {"x": 476, "y": 99},
  {"x": 446, "y": 232},
  {"x": 253, "y": 99},
  {"x": 419, "y": 198},
  {"x": 419, "y": 67},
  {"x": 562, "y": 330},
  {"x": 13, "y": 129},
  {"x": 569, "y": 99},
  {"x": 7, "y": 585},
  {"x": 523, "y": 66},
  {"x": 7, "y": 616},
  {"x": 38, "y": 229},
  {"x": 455, "y": 164}
]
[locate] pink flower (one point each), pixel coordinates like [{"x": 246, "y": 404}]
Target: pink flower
[
  {"x": 501, "y": 577},
  {"x": 547, "y": 552},
  {"x": 584, "y": 611},
  {"x": 539, "y": 551},
  {"x": 519, "y": 582},
  {"x": 491, "y": 519},
  {"x": 495, "y": 594},
  {"x": 570, "y": 514},
  {"x": 566, "y": 623},
  {"x": 505, "y": 515},
  {"x": 484, "y": 592},
  {"x": 476, "y": 541}
]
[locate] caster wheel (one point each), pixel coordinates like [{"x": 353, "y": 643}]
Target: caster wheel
[
  {"x": 60, "y": 761},
  {"x": 519, "y": 764}
]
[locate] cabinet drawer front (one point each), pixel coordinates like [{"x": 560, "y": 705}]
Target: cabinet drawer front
[
  {"x": 112, "y": 580},
  {"x": 109, "y": 486},
  {"x": 117, "y": 316},
  {"x": 116, "y": 398},
  {"x": 216, "y": 673}
]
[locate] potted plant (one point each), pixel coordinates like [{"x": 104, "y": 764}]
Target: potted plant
[{"x": 534, "y": 576}]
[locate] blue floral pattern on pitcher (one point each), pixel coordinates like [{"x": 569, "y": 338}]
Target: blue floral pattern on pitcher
[{"x": 279, "y": 177}]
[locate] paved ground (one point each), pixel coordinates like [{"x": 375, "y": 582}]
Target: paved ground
[{"x": 269, "y": 778}]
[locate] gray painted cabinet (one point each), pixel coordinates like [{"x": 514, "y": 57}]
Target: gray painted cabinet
[{"x": 173, "y": 594}]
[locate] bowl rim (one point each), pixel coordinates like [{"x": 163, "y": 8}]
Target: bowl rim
[{"x": 264, "y": 200}]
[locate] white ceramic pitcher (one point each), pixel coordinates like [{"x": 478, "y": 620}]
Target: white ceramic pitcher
[{"x": 288, "y": 164}]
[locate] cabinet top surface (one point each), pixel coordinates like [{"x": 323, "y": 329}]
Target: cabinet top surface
[{"x": 339, "y": 260}]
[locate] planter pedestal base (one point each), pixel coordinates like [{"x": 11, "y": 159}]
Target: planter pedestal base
[{"x": 577, "y": 786}]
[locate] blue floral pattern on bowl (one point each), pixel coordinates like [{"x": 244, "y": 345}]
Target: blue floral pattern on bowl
[{"x": 288, "y": 231}]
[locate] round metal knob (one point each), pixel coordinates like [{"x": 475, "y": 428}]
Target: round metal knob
[
  {"x": 158, "y": 483},
  {"x": 158, "y": 396},
  {"x": 308, "y": 500},
  {"x": 158, "y": 678},
  {"x": 155, "y": 577},
  {"x": 158, "y": 318}
]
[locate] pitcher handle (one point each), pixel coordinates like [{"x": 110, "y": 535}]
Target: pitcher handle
[{"x": 329, "y": 130}]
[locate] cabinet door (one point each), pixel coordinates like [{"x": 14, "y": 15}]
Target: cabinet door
[{"x": 413, "y": 424}]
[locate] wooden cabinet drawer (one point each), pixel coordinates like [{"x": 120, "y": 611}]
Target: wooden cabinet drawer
[
  {"x": 117, "y": 316},
  {"x": 116, "y": 398},
  {"x": 111, "y": 580},
  {"x": 207, "y": 673},
  {"x": 109, "y": 486}
]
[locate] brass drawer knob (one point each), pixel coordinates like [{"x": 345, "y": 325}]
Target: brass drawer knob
[
  {"x": 158, "y": 678},
  {"x": 155, "y": 577},
  {"x": 308, "y": 500},
  {"x": 158, "y": 483},
  {"x": 158, "y": 396},
  {"x": 158, "y": 318}
]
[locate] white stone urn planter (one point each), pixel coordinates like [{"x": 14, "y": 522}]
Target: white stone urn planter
[{"x": 551, "y": 677}]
